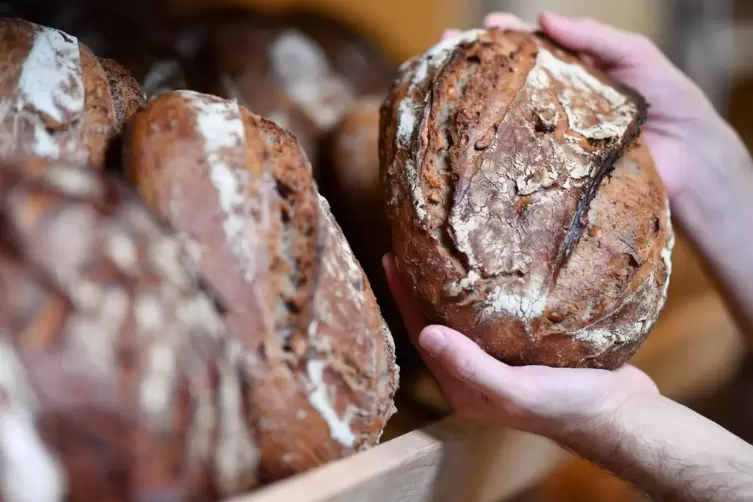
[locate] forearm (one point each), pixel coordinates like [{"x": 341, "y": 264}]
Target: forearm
[
  {"x": 716, "y": 210},
  {"x": 669, "y": 452}
]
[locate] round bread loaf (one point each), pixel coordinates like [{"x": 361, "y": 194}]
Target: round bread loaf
[
  {"x": 117, "y": 380},
  {"x": 350, "y": 53},
  {"x": 58, "y": 100},
  {"x": 525, "y": 208},
  {"x": 239, "y": 191},
  {"x": 289, "y": 70}
]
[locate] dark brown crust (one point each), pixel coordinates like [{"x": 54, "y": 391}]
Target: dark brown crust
[
  {"x": 126, "y": 93},
  {"x": 125, "y": 355},
  {"x": 78, "y": 134},
  {"x": 303, "y": 311},
  {"x": 489, "y": 198}
]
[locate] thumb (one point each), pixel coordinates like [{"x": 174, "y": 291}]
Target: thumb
[
  {"x": 609, "y": 45},
  {"x": 459, "y": 356}
]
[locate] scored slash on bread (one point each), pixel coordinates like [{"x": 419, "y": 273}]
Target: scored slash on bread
[
  {"x": 57, "y": 99},
  {"x": 525, "y": 207},
  {"x": 321, "y": 372}
]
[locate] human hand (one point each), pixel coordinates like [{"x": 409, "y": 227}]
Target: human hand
[
  {"x": 554, "y": 402},
  {"x": 683, "y": 131}
]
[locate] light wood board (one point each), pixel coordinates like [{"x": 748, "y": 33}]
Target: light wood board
[{"x": 450, "y": 461}]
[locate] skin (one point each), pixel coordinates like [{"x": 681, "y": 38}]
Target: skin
[{"x": 619, "y": 420}]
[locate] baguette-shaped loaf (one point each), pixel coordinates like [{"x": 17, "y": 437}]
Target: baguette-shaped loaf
[
  {"x": 117, "y": 380},
  {"x": 525, "y": 207},
  {"x": 57, "y": 99},
  {"x": 320, "y": 362}
]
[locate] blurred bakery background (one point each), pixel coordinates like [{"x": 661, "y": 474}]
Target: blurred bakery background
[{"x": 320, "y": 67}]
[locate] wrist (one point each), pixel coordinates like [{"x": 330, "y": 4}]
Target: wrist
[{"x": 598, "y": 432}]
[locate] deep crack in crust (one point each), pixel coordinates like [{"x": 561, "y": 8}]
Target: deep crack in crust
[
  {"x": 56, "y": 100},
  {"x": 117, "y": 379},
  {"x": 516, "y": 181},
  {"x": 239, "y": 189}
]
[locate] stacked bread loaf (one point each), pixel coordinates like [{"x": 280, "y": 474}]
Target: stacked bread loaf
[
  {"x": 117, "y": 378},
  {"x": 302, "y": 72},
  {"x": 210, "y": 335},
  {"x": 58, "y": 99},
  {"x": 525, "y": 208},
  {"x": 239, "y": 192}
]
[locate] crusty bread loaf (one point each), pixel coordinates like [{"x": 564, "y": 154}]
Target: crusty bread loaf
[
  {"x": 239, "y": 191},
  {"x": 350, "y": 52},
  {"x": 525, "y": 208},
  {"x": 55, "y": 100},
  {"x": 287, "y": 69},
  {"x": 118, "y": 382}
]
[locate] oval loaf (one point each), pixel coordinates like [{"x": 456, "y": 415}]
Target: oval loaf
[
  {"x": 117, "y": 380},
  {"x": 525, "y": 208},
  {"x": 57, "y": 99},
  {"x": 239, "y": 190}
]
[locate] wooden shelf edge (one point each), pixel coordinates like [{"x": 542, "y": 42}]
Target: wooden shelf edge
[{"x": 450, "y": 460}]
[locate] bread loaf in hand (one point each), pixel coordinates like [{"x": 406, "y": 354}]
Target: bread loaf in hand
[
  {"x": 525, "y": 208},
  {"x": 57, "y": 99},
  {"x": 117, "y": 381},
  {"x": 239, "y": 190}
]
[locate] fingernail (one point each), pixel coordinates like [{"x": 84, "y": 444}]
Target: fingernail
[{"x": 432, "y": 341}]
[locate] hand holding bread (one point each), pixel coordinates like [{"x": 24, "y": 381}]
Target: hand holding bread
[{"x": 206, "y": 328}]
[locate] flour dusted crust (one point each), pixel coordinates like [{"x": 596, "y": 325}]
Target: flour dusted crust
[
  {"x": 320, "y": 364},
  {"x": 55, "y": 99},
  {"x": 278, "y": 73},
  {"x": 117, "y": 379},
  {"x": 525, "y": 207},
  {"x": 300, "y": 71}
]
